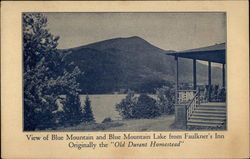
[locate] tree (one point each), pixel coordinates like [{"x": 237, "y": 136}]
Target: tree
[
  {"x": 165, "y": 99},
  {"x": 127, "y": 105},
  {"x": 38, "y": 43},
  {"x": 87, "y": 111},
  {"x": 45, "y": 77},
  {"x": 73, "y": 113}
]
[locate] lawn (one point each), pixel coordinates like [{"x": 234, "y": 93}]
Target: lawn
[{"x": 162, "y": 123}]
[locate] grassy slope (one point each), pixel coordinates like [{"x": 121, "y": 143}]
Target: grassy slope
[{"x": 163, "y": 123}]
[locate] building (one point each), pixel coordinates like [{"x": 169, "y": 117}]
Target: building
[{"x": 197, "y": 108}]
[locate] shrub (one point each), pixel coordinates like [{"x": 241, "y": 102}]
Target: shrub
[
  {"x": 107, "y": 120},
  {"x": 146, "y": 107},
  {"x": 141, "y": 107},
  {"x": 165, "y": 99},
  {"x": 127, "y": 105}
]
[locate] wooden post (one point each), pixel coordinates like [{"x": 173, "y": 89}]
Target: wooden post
[
  {"x": 223, "y": 75},
  {"x": 177, "y": 79},
  {"x": 180, "y": 109},
  {"x": 194, "y": 74},
  {"x": 209, "y": 81}
]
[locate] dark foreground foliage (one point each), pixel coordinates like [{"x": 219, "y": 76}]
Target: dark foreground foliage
[{"x": 46, "y": 79}]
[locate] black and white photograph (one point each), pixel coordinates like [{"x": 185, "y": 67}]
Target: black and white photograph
[
  {"x": 124, "y": 71},
  {"x": 125, "y": 79}
]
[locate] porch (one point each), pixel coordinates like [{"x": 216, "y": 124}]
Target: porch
[{"x": 201, "y": 106}]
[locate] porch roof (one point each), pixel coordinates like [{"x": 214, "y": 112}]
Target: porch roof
[{"x": 213, "y": 53}]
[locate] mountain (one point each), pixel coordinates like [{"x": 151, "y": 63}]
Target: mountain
[{"x": 128, "y": 63}]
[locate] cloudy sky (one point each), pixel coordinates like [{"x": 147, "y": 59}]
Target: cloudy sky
[{"x": 169, "y": 31}]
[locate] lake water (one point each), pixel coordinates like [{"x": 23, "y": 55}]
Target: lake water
[{"x": 103, "y": 105}]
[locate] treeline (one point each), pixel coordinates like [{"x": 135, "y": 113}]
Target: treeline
[
  {"x": 46, "y": 78},
  {"x": 147, "y": 86}
]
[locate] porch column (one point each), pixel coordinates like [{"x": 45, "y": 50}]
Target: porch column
[
  {"x": 194, "y": 74},
  {"x": 180, "y": 109},
  {"x": 223, "y": 75},
  {"x": 209, "y": 81},
  {"x": 177, "y": 78}
]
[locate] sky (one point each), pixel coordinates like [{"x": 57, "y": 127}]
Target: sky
[{"x": 169, "y": 31}]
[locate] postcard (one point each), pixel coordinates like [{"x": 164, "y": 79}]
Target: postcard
[{"x": 125, "y": 79}]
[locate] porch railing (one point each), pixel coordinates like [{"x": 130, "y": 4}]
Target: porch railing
[
  {"x": 185, "y": 96},
  {"x": 193, "y": 104}
]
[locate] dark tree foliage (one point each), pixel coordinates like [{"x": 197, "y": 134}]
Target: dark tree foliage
[
  {"x": 149, "y": 85},
  {"x": 166, "y": 99},
  {"x": 126, "y": 107},
  {"x": 146, "y": 107},
  {"x": 45, "y": 78},
  {"x": 38, "y": 43},
  {"x": 138, "y": 107},
  {"x": 87, "y": 111},
  {"x": 72, "y": 112}
]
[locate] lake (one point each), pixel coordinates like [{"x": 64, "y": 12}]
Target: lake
[{"x": 103, "y": 105}]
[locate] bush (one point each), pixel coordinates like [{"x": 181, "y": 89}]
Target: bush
[
  {"x": 107, "y": 120},
  {"x": 165, "y": 99},
  {"x": 127, "y": 105},
  {"x": 146, "y": 107},
  {"x": 141, "y": 107}
]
